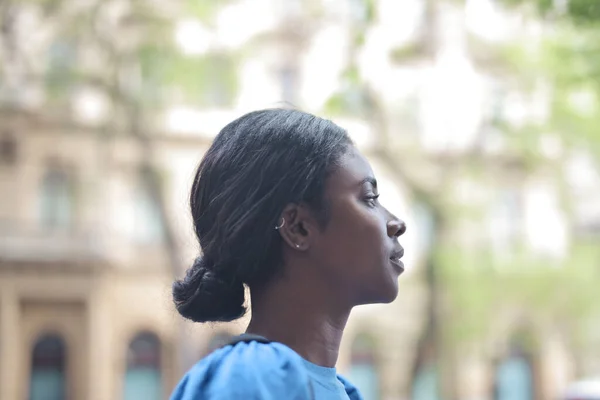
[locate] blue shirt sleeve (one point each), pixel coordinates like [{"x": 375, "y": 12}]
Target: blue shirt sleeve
[{"x": 246, "y": 371}]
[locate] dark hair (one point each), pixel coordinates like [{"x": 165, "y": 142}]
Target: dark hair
[{"x": 256, "y": 165}]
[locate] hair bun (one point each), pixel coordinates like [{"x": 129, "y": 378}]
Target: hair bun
[{"x": 204, "y": 296}]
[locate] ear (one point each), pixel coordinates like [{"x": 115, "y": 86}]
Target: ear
[{"x": 299, "y": 228}]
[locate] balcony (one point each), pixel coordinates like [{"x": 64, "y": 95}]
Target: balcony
[{"x": 26, "y": 243}]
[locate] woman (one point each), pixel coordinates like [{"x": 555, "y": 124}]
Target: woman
[{"x": 284, "y": 204}]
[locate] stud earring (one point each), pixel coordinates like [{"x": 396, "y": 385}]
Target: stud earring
[
  {"x": 297, "y": 246},
  {"x": 281, "y": 225}
]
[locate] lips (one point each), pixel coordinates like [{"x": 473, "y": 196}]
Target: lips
[
  {"x": 395, "y": 258},
  {"x": 397, "y": 255}
]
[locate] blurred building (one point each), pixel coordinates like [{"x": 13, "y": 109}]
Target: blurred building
[
  {"x": 84, "y": 279},
  {"x": 86, "y": 260}
]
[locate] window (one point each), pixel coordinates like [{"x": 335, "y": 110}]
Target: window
[
  {"x": 514, "y": 378},
  {"x": 363, "y": 369},
  {"x": 359, "y": 11},
  {"x": 61, "y": 62},
  {"x": 48, "y": 369},
  {"x": 8, "y": 149},
  {"x": 426, "y": 384},
  {"x": 497, "y": 103},
  {"x": 56, "y": 199},
  {"x": 148, "y": 227},
  {"x": 61, "y": 54},
  {"x": 506, "y": 220},
  {"x": 143, "y": 376},
  {"x": 222, "y": 86}
]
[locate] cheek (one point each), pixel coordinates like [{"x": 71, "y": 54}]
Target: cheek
[{"x": 360, "y": 238}]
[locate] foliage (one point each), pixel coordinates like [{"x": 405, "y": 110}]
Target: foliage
[
  {"x": 569, "y": 60},
  {"x": 407, "y": 52},
  {"x": 350, "y": 99},
  {"x": 577, "y": 11},
  {"x": 205, "y": 80},
  {"x": 205, "y": 10},
  {"x": 477, "y": 296},
  {"x": 134, "y": 43}
]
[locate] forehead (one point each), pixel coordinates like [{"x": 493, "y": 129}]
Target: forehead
[{"x": 353, "y": 169}]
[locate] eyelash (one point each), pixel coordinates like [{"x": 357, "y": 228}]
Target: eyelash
[{"x": 372, "y": 199}]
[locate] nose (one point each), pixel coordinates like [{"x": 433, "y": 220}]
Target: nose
[{"x": 396, "y": 227}]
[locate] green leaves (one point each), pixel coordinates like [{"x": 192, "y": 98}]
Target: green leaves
[
  {"x": 584, "y": 11},
  {"x": 351, "y": 99},
  {"x": 205, "y": 10},
  {"x": 126, "y": 37},
  {"x": 574, "y": 11},
  {"x": 209, "y": 80}
]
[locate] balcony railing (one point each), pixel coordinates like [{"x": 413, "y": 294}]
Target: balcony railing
[{"x": 25, "y": 242}]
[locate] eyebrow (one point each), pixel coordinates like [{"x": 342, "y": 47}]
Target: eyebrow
[{"x": 370, "y": 180}]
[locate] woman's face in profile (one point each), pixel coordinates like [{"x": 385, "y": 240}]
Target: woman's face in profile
[{"x": 359, "y": 250}]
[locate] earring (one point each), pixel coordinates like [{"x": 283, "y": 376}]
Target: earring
[
  {"x": 282, "y": 224},
  {"x": 297, "y": 246}
]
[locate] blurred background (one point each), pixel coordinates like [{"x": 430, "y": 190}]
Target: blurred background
[{"x": 481, "y": 119}]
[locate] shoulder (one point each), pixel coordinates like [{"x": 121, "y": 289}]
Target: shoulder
[{"x": 246, "y": 370}]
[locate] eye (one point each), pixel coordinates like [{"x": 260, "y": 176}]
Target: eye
[{"x": 372, "y": 200}]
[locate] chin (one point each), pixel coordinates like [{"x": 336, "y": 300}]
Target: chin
[
  {"x": 385, "y": 294},
  {"x": 388, "y": 289},
  {"x": 391, "y": 295}
]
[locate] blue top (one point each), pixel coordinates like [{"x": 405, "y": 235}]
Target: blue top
[{"x": 252, "y": 370}]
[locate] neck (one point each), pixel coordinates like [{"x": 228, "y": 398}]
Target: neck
[{"x": 297, "y": 316}]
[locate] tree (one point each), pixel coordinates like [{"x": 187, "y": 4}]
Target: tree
[
  {"x": 568, "y": 60},
  {"x": 466, "y": 285}
]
